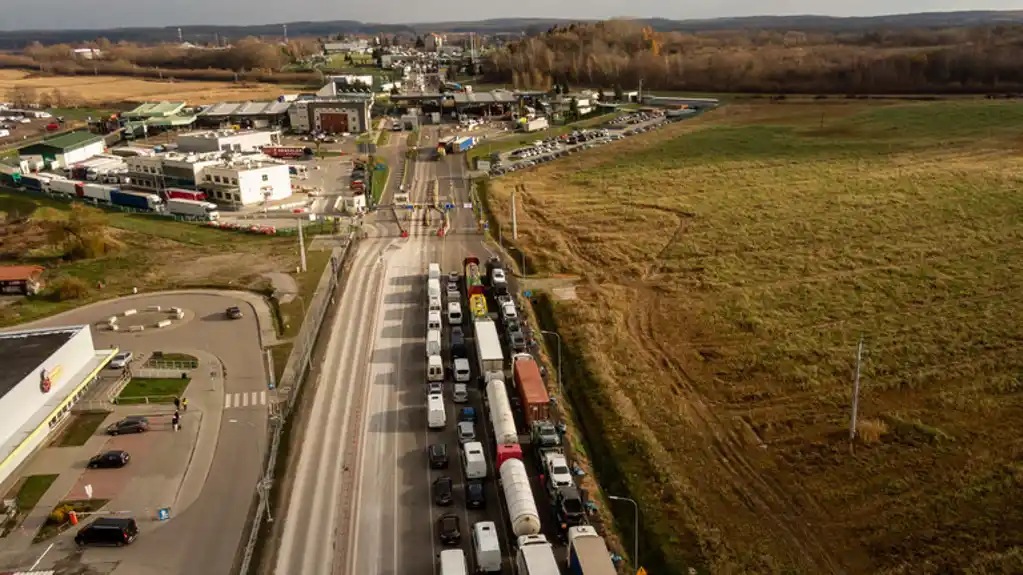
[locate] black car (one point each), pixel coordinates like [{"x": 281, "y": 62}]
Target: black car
[
  {"x": 517, "y": 341},
  {"x": 133, "y": 424},
  {"x": 443, "y": 491},
  {"x": 475, "y": 495},
  {"x": 233, "y": 313},
  {"x": 449, "y": 529},
  {"x": 110, "y": 459},
  {"x": 108, "y": 531},
  {"x": 457, "y": 336},
  {"x": 438, "y": 453}
]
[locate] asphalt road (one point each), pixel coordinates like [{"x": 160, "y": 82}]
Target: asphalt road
[
  {"x": 362, "y": 498},
  {"x": 205, "y": 537}
]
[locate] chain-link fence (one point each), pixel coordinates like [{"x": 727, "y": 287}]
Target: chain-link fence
[{"x": 288, "y": 387}]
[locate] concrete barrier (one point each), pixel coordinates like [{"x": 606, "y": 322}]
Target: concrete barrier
[
  {"x": 128, "y": 312},
  {"x": 112, "y": 320},
  {"x": 137, "y": 328},
  {"x": 163, "y": 323},
  {"x": 154, "y": 308},
  {"x": 179, "y": 314},
  {"x": 114, "y": 327},
  {"x": 174, "y": 310}
]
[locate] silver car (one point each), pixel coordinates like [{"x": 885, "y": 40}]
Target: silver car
[{"x": 466, "y": 431}]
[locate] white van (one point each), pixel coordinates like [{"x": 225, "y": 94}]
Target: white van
[
  {"x": 436, "y": 417},
  {"x": 433, "y": 288},
  {"x": 461, "y": 369},
  {"x": 434, "y": 271},
  {"x": 454, "y": 313},
  {"x": 487, "y": 547},
  {"x": 433, "y": 320},
  {"x": 434, "y": 368},
  {"x": 434, "y": 304},
  {"x": 433, "y": 342},
  {"x": 452, "y": 562},
  {"x": 473, "y": 461}
]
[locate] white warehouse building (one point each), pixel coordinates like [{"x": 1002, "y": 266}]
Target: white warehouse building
[
  {"x": 44, "y": 372},
  {"x": 246, "y": 182},
  {"x": 227, "y": 140}
]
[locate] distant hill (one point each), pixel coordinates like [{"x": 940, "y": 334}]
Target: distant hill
[{"x": 18, "y": 39}]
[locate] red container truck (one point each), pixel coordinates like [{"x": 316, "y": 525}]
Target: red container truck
[
  {"x": 177, "y": 194},
  {"x": 531, "y": 388}
]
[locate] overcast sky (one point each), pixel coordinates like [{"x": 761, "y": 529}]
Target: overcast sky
[{"x": 64, "y": 14}]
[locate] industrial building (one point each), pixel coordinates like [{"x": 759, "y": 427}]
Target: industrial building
[
  {"x": 227, "y": 141},
  {"x": 62, "y": 151},
  {"x": 246, "y": 114},
  {"x": 337, "y": 115},
  {"x": 246, "y": 182},
  {"x": 45, "y": 371},
  {"x": 153, "y": 117},
  {"x": 170, "y": 170}
]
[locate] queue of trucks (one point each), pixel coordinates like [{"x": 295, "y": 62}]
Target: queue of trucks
[{"x": 534, "y": 555}]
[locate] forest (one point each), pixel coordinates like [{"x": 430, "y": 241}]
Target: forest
[
  {"x": 246, "y": 59},
  {"x": 900, "y": 61}
]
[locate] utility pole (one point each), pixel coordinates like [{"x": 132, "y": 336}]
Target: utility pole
[
  {"x": 301, "y": 245},
  {"x": 514, "y": 215},
  {"x": 285, "y": 33},
  {"x": 856, "y": 391}
]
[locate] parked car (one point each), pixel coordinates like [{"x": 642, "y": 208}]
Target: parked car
[
  {"x": 449, "y": 529},
  {"x": 435, "y": 387},
  {"x": 121, "y": 360},
  {"x": 467, "y": 414},
  {"x": 453, "y": 277},
  {"x": 234, "y": 313},
  {"x": 132, "y": 424},
  {"x": 475, "y": 494},
  {"x": 438, "y": 454},
  {"x": 443, "y": 491},
  {"x": 109, "y": 459},
  {"x": 517, "y": 341}
]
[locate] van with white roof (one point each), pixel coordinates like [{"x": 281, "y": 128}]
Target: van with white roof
[{"x": 487, "y": 547}]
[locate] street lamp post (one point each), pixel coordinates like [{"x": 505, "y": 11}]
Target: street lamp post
[
  {"x": 561, "y": 385},
  {"x": 635, "y": 533}
]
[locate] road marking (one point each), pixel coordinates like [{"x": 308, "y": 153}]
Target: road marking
[
  {"x": 38, "y": 561},
  {"x": 244, "y": 399}
]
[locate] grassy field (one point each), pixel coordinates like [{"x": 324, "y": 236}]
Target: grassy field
[
  {"x": 98, "y": 90},
  {"x": 731, "y": 263},
  {"x": 81, "y": 427},
  {"x": 154, "y": 253},
  {"x": 152, "y": 390}
]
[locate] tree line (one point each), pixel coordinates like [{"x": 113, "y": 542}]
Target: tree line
[
  {"x": 619, "y": 52},
  {"x": 249, "y": 59}
]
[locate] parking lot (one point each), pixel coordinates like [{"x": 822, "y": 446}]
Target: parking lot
[{"x": 552, "y": 148}]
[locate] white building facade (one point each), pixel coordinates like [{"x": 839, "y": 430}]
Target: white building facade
[
  {"x": 227, "y": 141},
  {"x": 46, "y": 371},
  {"x": 247, "y": 183}
]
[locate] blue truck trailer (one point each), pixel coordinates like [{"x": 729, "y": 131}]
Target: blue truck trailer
[
  {"x": 463, "y": 144},
  {"x": 139, "y": 201}
]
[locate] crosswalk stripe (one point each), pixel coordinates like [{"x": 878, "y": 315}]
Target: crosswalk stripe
[{"x": 244, "y": 399}]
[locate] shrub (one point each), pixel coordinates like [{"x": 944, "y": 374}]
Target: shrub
[
  {"x": 68, "y": 288},
  {"x": 60, "y": 514}
]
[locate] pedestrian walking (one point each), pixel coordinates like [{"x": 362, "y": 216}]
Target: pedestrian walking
[
  {"x": 184, "y": 404},
  {"x": 175, "y": 421},
  {"x": 177, "y": 404}
]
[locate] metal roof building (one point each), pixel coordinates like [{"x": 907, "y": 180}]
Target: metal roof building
[
  {"x": 258, "y": 114},
  {"x": 65, "y": 149},
  {"x": 45, "y": 371},
  {"x": 155, "y": 110}
]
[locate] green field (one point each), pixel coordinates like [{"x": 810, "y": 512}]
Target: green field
[
  {"x": 730, "y": 264},
  {"x": 153, "y": 390}
]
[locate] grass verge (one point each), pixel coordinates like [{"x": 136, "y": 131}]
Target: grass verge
[
  {"x": 292, "y": 314},
  {"x": 81, "y": 428},
  {"x": 380, "y": 181},
  {"x": 58, "y": 521},
  {"x": 152, "y": 390},
  {"x": 26, "y": 493}
]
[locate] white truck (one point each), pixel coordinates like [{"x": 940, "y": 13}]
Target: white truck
[
  {"x": 193, "y": 208},
  {"x": 99, "y": 192},
  {"x": 433, "y": 288},
  {"x": 434, "y": 271},
  {"x": 535, "y": 556},
  {"x": 535, "y": 125},
  {"x": 489, "y": 352},
  {"x": 525, "y": 519},
  {"x": 587, "y": 552}
]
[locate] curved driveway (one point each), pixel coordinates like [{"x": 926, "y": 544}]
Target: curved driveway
[{"x": 205, "y": 537}]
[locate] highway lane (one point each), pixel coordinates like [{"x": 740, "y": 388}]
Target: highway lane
[{"x": 316, "y": 521}]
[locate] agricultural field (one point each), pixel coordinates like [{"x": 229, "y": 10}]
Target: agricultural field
[
  {"x": 100, "y": 90},
  {"x": 730, "y": 265},
  {"x": 91, "y": 255}
]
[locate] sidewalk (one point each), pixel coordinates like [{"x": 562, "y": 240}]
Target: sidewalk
[{"x": 169, "y": 470}]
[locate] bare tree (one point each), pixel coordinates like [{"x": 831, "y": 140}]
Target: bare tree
[{"x": 23, "y": 96}]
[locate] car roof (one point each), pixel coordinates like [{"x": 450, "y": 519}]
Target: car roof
[
  {"x": 113, "y": 521},
  {"x": 134, "y": 418},
  {"x": 438, "y": 447}
]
